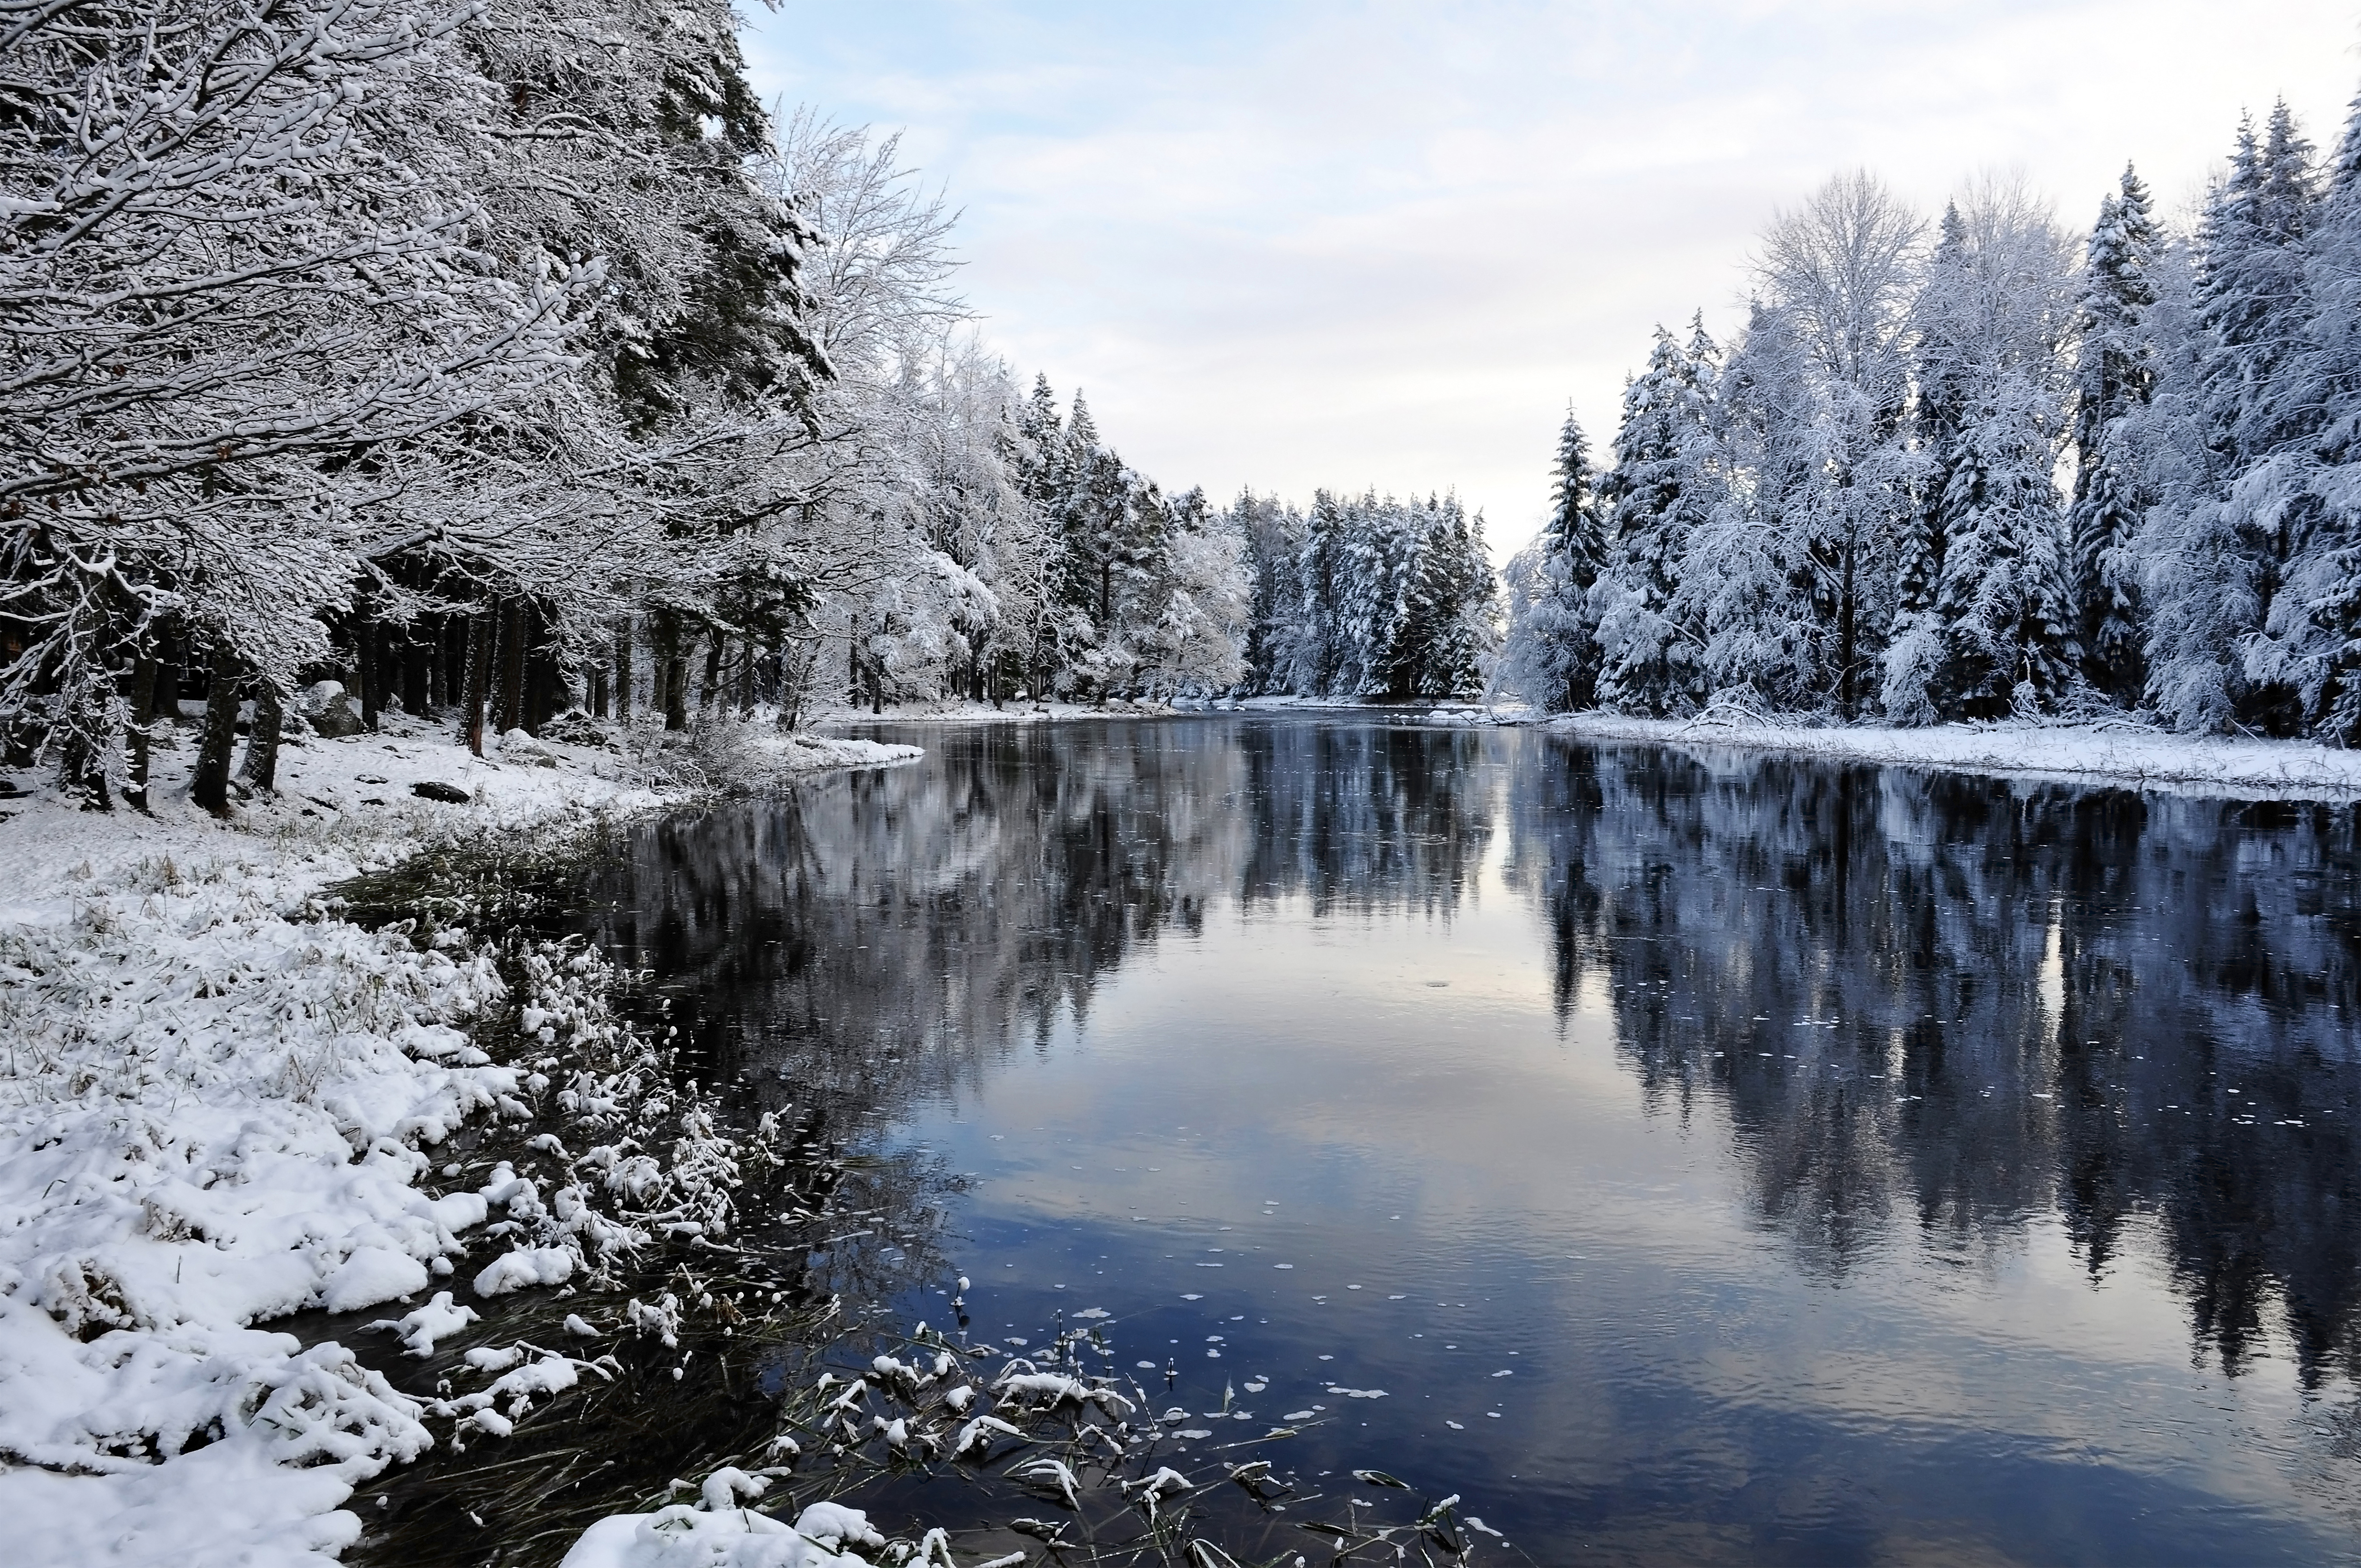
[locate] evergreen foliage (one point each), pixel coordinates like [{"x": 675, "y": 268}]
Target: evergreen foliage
[{"x": 1858, "y": 511}]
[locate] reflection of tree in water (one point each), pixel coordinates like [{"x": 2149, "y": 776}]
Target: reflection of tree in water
[
  {"x": 1963, "y": 1003},
  {"x": 866, "y": 938}
]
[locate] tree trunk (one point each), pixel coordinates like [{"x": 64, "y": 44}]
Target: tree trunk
[
  {"x": 139, "y": 694},
  {"x": 709, "y": 692},
  {"x": 676, "y": 694},
  {"x": 209, "y": 785},
  {"x": 622, "y": 669},
  {"x": 1845, "y": 642},
  {"x": 261, "y": 769},
  {"x": 82, "y": 766},
  {"x": 672, "y": 671},
  {"x": 365, "y": 651},
  {"x": 598, "y": 691},
  {"x": 478, "y": 678},
  {"x": 417, "y": 674},
  {"x": 456, "y": 632},
  {"x": 746, "y": 679},
  {"x": 507, "y": 706}
]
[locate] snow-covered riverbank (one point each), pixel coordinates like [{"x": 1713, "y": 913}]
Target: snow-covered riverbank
[
  {"x": 2141, "y": 759},
  {"x": 215, "y": 1109}
]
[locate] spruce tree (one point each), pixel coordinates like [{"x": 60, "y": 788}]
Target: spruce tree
[
  {"x": 1944, "y": 329},
  {"x": 1552, "y": 655},
  {"x": 2217, "y": 556},
  {"x": 2114, "y": 375},
  {"x": 1649, "y": 659}
]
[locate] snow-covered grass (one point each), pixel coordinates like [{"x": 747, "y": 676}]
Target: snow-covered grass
[
  {"x": 2088, "y": 753},
  {"x": 216, "y": 1106}
]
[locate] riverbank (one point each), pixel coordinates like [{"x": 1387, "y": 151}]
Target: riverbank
[
  {"x": 2079, "y": 753},
  {"x": 215, "y": 1101}
]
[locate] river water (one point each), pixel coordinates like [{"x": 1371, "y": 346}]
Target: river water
[{"x": 1682, "y": 1157}]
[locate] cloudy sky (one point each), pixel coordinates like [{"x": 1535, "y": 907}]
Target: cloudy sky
[{"x": 1296, "y": 243}]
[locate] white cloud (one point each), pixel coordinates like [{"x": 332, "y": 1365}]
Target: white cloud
[{"x": 1355, "y": 244}]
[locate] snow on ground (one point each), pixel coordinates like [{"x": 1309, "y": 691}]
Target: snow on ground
[
  {"x": 2087, "y": 753},
  {"x": 213, "y": 1113}
]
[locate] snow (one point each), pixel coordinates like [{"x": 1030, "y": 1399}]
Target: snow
[
  {"x": 823, "y": 1536},
  {"x": 213, "y": 1113},
  {"x": 2086, "y": 753}
]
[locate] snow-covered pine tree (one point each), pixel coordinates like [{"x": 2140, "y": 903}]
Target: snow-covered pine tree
[
  {"x": 1762, "y": 474},
  {"x": 1944, "y": 332},
  {"x": 1271, "y": 535},
  {"x": 1647, "y": 660},
  {"x": 1551, "y": 656},
  {"x": 1316, "y": 654},
  {"x": 2002, "y": 603},
  {"x": 2326, "y": 579},
  {"x": 2217, "y": 546},
  {"x": 2114, "y": 375}
]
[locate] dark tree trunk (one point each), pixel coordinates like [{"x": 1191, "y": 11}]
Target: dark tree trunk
[
  {"x": 139, "y": 694},
  {"x": 209, "y": 785},
  {"x": 622, "y": 669},
  {"x": 1846, "y": 642},
  {"x": 366, "y": 653},
  {"x": 456, "y": 632},
  {"x": 478, "y": 678},
  {"x": 672, "y": 671},
  {"x": 417, "y": 674},
  {"x": 261, "y": 769},
  {"x": 598, "y": 691},
  {"x": 746, "y": 679},
  {"x": 712, "y": 690},
  {"x": 508, "y": 703}
]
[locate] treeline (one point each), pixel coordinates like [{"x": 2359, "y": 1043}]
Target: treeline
[
  {"x": 1370, "y": 599},
  {"x": 1978, "y": 470},
  {"x": 500, "y": 358}
]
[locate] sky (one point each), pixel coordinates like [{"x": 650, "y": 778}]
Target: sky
[{"x": 1295, "y": 244}]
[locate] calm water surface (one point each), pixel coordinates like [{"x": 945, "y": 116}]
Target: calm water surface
[{"x": 1742, "y": 1160}]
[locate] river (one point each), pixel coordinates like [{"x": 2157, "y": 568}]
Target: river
[{"x": 1683, "y": 1160}]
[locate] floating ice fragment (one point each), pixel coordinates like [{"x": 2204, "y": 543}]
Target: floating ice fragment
[
  {"x": 1282, "y": 1266},
  {"x": 1297, "y": 1415},
  {"x": 1397, "y": 1298},
  {"x": 1186, "y": 1298},
  {"x": 1256, "y": 1386},
  {"x": 1144, "y": 1365},
  {"x": 1193, "y": 1432},
  {"x": 1094, "y": 1313},
  {"x": 1506, "y": 1372},
  {"x": 1454, "y": 1426}
]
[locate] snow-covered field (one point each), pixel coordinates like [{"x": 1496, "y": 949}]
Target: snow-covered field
[
  {"x": 2144, "y": 759},
  {"x": 216, "y": 1111}
]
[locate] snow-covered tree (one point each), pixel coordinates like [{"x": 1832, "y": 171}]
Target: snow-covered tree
[
  {"x": 2114, "y": 375},
  {"x": 1996, "y": 309},
  {"x": 2216, "y": 546},
  {"x": 1654, "y": 501},
  {"x": 1841, "y": 272},
  {"x": 1551, "y": 656}
]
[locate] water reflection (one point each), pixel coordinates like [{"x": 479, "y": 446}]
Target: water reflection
[
  {"x": 1909, "y": 1023},
  {"x": 1952, "y": 1004}
]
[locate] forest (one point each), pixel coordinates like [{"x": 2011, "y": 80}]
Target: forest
[
  {"x": 499, "y": 361},
  {"x": 1973, "y": 469}
]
